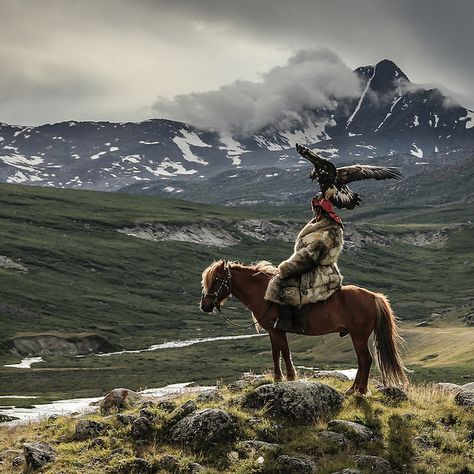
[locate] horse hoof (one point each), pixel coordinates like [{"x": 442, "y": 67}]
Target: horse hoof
[
  {"x": 361, "y": 394},
  {"x": 350, "y": 391},
  {"x": 291, "y": 378},
  {"x": 277, "y": 379}
]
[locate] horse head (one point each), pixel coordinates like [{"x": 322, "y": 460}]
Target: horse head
[{"x": 216, "y": 283}]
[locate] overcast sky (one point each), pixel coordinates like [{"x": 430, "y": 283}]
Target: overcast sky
[{"x": 122, "y": 59}]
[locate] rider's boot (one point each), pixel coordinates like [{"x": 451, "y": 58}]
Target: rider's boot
[{"x": 285, "y": 318}]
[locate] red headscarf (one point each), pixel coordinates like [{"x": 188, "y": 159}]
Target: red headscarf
[{"x": 326, "y": 206}]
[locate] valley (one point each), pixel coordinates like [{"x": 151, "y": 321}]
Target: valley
[{"x": 83, "y": 280}]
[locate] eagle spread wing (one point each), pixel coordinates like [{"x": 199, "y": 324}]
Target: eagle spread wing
[
  {"x": 348, "y": 199},
  {"x": 329, "y": 176},
  {"x": 347, "y": 174}
]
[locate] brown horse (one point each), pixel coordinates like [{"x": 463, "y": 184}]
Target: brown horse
[{"x": 350, "y": 310}]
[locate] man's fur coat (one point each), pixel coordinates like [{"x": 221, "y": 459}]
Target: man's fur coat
[{"x": 311, "y": 273}]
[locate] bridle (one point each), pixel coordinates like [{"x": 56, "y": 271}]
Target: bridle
[{"x": 226, "y": 283}]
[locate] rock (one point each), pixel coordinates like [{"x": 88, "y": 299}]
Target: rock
[
  {"x": 252, "y": 447},
  {"x": 348, "y": 471},
  {"x": 355, "y": 431},
  {"x": 423, "y": 442},
  {"x": 166, "y": 405},
  {"x": 449, "y": 387},
  {"x": 333, "y": 442},
  {"x": 373, "y": 463},
  {"x": 297, "y": 402},
  {"x": 184, "y": 410},
  {"x": 204, "y": 428},
  {"x": 167, "y": 463},
  {"x": 465, "y": 398},
  {"x": 37, "y": 455},
  {"x": 7, "y": 418},
  {"x": 117, "y": 400},
  {"x": 295, "y": 465},
  {"x": 142, "y": 428},
  {"x": 135, "y": 465},
  {"x": 147, "y": 413},
  {"x": 334, "y": 374},
  {"x": 86, "y": 429},
  {"x": 468, "y": 386},
  {"x": 209, "y": 396},
  {"x": 194, "y": 468},
  {"x": 422, "y": 324},
  {"x": 125, "y": 419},
  {"x": 248, "y": 380},
  {"x": 18, "y": 461},
  {"x": 394, "y": 393}
]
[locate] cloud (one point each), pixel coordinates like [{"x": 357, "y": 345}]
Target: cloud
[{"x": 310, "y": 78}]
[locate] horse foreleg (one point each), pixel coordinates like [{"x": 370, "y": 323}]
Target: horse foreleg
[
  {"x": 364, "y": 361},
  {"x": 278, "y": 376},
  {"x": 285, "y": 350}
]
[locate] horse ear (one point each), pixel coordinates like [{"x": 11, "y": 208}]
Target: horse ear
[{"x": 224, "y": 262}]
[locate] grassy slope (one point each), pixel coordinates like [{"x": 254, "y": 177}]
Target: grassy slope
[
  {"x": 428, "y": 415},
  {"x": 84, "y": 277}
]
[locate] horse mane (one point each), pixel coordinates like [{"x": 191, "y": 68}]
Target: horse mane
[{"x": 262, "y": 266}]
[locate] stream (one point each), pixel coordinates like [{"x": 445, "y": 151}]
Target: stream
[{"x": 83, "y": 405}]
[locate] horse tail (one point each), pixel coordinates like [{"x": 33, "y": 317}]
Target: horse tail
[{"x": 386, "y": 344}]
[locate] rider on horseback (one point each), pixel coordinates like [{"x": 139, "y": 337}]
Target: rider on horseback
[{"x": 311, "y": 273}]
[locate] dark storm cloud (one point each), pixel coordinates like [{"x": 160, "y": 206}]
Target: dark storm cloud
[{"x": 110, "y": 59}]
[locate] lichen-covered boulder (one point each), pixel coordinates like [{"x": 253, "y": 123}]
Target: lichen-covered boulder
[
  {"x": 395, "y": 394},
  {"x": 352, "y": 430},
  {"x": 333, "y": 374},
  {"x": 465, "y": 398},
  {"x": 182, "y": 411},
  {"x": 332, "y": 442},
  {"x": 253, "y": 446},
  {"x": 117, "y": 400},
  {"x": 373, "y": 464},
  {"x": 37, "y": 455},
  {"x": 295, "y": 465},
  {"x": 134, "y": 465},
  {"x": 449, "y": 387},
  {"x": 142, "y": 428},
  {"x": 86, "y": 429},
  {"x": 167, "y": 463},
  {"x": 299, "y": 402},
  {"x": 209, "y": 396},
  {"x": 203, "y": 429}
]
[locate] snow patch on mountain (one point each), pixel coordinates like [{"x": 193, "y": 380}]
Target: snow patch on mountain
[
  {"x": 163, "y": 169},
  {"x": 185, "y": 142},
  {"x": 233, "y": 148},
  {"x": 361, "y": 99},
  {"x": 418, "y": 152}
]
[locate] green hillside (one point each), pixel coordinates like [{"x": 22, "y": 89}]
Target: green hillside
[{"x": 84, "y": 277}]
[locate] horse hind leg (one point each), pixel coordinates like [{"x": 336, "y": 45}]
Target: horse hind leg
[{"x": 364, "y": 362}]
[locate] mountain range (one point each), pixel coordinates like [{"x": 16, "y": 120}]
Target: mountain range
[{"x": 392, "y": 117}]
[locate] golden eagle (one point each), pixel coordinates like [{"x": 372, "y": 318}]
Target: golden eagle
[{"x": 333, "y": 181}]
